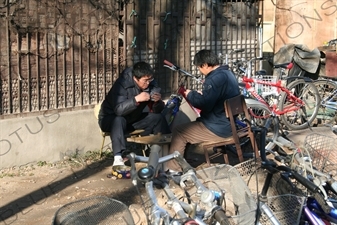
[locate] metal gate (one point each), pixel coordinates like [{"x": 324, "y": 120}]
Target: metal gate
[{"x": 66, "y": 54}]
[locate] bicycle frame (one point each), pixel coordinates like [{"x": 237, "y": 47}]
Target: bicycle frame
[{"x": 298, "y": 103}]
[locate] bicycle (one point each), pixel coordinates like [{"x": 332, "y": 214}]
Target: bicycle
[
  {"x": 270, "y": 97},
  {"x": 316, "y": 162},
  {"x": 292, "y": 202},
  {"x": 211, "y": 188},
  {"x": 207, "y": 208},
  {"x": 296, "y": 104},
  {"x": 321, "y": 165},
  {"x": 173, "y": 104},
  {"x": 204, "y": 195},
  {"x": 236, "y": 66},
  {"x": 155, "y": 213}
]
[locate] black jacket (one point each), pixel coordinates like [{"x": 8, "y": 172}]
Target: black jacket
[
  {"x": 120, "y": 100},
  {"x": 219, "y": 85}
]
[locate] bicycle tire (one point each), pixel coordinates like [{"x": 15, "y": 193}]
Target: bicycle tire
[
  {"x": 304, "y": 116},
  {"x": 259, "y": 114},
  {"x": 325, "y": 88}
]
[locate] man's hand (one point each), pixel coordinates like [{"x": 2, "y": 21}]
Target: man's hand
[
  {"x": 188, "y": 91},
  {"x": 155, "y": 97},
  {"x": 143, "y": 97}
]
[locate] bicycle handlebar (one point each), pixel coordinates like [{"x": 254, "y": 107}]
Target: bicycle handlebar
[
  {"x": 174, "y": 67},
  {"x": 148, "y": 173},
  {"x": 171, "y": 64},
  {"x": 183, "y": 164},
  {"x": 314, "y": 189},
  {"x": 154, "y": 157}
]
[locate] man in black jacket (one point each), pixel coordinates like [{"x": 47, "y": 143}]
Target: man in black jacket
[
  {"x": 123, "y": 108},
  {"x": 212, "y": 125}
]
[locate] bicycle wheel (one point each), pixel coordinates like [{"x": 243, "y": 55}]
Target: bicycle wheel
[
  {"x": 259, "y": 115},
  {"x": 326, "y": 88},
  {"x": 299, "y": 116}
]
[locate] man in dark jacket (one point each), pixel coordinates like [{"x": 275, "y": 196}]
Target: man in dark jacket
[
  {"x": 123, "y": 108},
  {"x": 212, "y": 125}
]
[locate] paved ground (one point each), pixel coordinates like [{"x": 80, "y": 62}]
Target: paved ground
[{"x": 31, "y": 194}]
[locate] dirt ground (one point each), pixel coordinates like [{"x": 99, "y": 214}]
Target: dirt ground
[{"x": 31, "y": 194}]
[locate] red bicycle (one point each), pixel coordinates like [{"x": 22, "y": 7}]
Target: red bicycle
[{"x": 295, "y": 101}]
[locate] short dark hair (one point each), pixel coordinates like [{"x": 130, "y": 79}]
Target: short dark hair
[
  {"x": 205, "y": 57},
  {"x": 141, "y": 69}
]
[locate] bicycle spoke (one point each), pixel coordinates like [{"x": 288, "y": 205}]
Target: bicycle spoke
[
  {"x": 326, "y": 89},
  {"x": 301, "y": 109},
  {"x": 259, "y": 116}
]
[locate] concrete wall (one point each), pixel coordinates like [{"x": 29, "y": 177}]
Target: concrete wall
[
  {"x": 50, "y": 136},
  {"x": 47, "y": 137},
  {"x": 268, "y": 26},
  {"x": 310, "y": 22}
]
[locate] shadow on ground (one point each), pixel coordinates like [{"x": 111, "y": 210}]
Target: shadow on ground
[{"x": 34, "y": 199}]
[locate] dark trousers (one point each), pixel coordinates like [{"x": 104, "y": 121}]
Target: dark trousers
[{"x": 118, "y": 127}]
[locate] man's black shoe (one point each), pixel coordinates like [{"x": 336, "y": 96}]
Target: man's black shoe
[{"x": 125, "y": 153}]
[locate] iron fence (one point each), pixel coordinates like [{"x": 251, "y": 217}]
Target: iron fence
[{"x": 66, "y": 54}]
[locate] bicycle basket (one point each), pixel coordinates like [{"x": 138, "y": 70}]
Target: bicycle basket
[
  {"x": 97, "y": 210},
  {"x": 267, "y": 89},
  {"x": 286, "y": 208},
  {"x": 322, "y": 150},
  {"x": 240, "y": 204}
]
